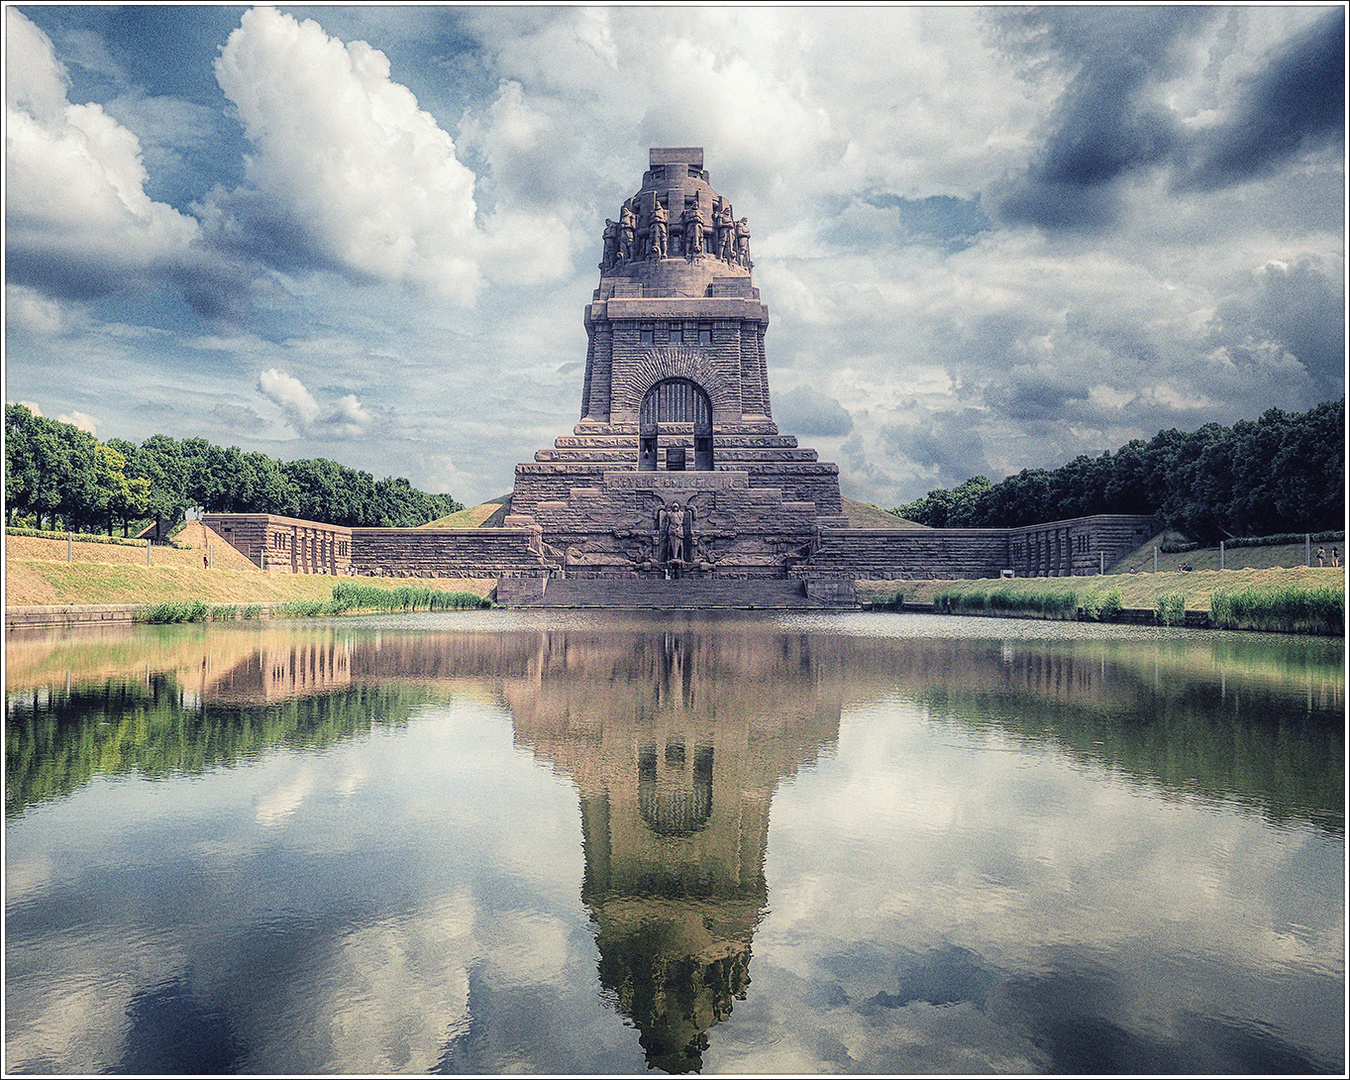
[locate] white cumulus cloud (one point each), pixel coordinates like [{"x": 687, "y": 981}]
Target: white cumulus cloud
[
  {"x": 290, "y": 393},
  {"x": 78, "y": 219},
  {"x": 346, "y": 158}
]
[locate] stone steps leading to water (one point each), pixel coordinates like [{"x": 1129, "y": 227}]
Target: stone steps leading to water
[{"x": 657, "y": 593}]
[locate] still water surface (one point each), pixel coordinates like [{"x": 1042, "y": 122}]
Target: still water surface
[{"x": 585, "y": 843}]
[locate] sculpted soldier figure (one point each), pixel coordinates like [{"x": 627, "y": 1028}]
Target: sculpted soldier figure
[
  {"x": 657, "y": 236},
  {"x": 743, "y": 242},
  {"x": 627, "y": 227},
  {"x": 726, "y": 232},
  {"x": 693, "y": 232},
  {"x": 611, "y": 254}
]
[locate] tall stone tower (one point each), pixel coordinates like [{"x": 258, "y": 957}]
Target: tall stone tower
[{"x": 676, "y": 466}]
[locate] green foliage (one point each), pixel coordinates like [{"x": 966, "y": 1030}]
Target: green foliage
[
  {"x": 353, "y": 596},
  {"x": 1281, "y": 473},
  {"x": 1286, "y": 538},
  {"x": 57, "y": 741},
  {"x": 1005, "y": 601},
  {"x": 304, "y": 608},
  {"x": 356, "y": 596},
  {"x": 83, "y": 538},
  {"x": 1099, "y": 608},
  {"x": 56, "y": 471},
  {"x": 175, "y": 611},
  {"x": 947, "y": 509},
  {"x": 1292, "y": 609},
  {"x": 252, "y": 611},
  {"x": 1171, "y": 609}
]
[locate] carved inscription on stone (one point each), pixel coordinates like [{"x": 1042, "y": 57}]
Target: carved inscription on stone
[{"x": 652, "y": 481}]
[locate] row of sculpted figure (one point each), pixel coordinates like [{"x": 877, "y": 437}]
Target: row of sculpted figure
[{"x": 731, "y": 238}]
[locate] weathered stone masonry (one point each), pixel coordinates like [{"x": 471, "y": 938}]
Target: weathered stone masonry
[{"x": 676, "y": 469}]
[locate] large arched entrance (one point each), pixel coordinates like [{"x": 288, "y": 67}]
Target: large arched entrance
[{"x": 672, "y": 408}]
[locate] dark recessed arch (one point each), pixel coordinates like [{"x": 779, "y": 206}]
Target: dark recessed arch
[{"x": 668, "y": 403}]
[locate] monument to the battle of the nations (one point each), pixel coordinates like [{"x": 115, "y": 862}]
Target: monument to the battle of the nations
[{"x": 676, "y": 482}]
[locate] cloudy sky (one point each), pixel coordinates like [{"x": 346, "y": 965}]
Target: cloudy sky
[{"x": 989, "y": 238}]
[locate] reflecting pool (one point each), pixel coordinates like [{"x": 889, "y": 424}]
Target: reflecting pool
[{"x": 604, "y": 843}]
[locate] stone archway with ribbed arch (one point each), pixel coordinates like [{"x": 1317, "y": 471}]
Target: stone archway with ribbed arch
[{"x": 660, "y": 364}]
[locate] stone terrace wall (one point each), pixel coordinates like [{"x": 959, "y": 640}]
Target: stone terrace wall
[
  {"x": 1057, "y": 549},
  {"x": 447, "y": 553},
  {"x": 283, "y": 544},
  {"x": 878, "y": 554},
  {"x": 1077, "y": 546}
]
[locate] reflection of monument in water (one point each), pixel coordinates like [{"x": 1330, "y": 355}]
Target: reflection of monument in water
[{"x": 676, "y": 743}]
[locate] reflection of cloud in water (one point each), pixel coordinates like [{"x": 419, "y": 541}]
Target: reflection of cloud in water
[
  {"x": 1043, "y": 864},
  {"x": 398, "y": 989},
  {"x": 274, "y": 807},
  {"x": 947, "y": 886}
]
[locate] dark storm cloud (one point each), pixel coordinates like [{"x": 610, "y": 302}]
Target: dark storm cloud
[
  {"x": 1034, "y": 400},
  {"x": 1296, "y": 104},
  {"x": 807, "y": 412},
  {"x": 257, "y": 227},
  {"x": 57, "y": 274},
  {"x": 1104, "y": 124},
  {"x": 946, "y": 441},
  {"x": 1108, "y": 124},
  {"x": 218, "y": 289},
  {"x": 1301, "y": 308}
]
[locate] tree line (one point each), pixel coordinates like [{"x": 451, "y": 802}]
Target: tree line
[
  {"x": 59, "y": 476},
  {"x": 1282, "y": 473}
]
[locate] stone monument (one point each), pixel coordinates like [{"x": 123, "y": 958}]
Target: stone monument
[
  {"x": 676, "y": 486},
  {"x": 676, "y": 468}
]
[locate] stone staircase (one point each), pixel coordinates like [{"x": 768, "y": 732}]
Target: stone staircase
[{"x": 659, "y": 594}]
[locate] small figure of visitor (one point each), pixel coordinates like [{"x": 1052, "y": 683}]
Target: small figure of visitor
[
  {"x": 205, "y": 563},
  {"x": 1321, "y": 556},
  {"x": 1335, "y": 556}
]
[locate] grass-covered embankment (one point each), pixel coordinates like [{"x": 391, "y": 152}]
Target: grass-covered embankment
[
  {"x": 1297, "y": 599},
  {"x": 37, "y": 573}
]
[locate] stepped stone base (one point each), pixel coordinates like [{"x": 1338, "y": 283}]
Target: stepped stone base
[
  {"x": 711, "y": 524},
  {"x": 683, "y": 594}
]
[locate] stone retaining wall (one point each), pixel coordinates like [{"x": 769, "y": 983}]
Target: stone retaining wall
[
  {"x": 447, "y": 553},
  {"x": 48, "y": 615},
  {"x": 1076, "y": 547}
]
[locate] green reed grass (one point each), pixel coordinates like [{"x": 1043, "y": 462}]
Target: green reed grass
[
  {"x": 1291, "y": 609},
  {"x": 175, "y": 611},
  {"x": 1171, "y": 608},
  {"x": 1039, "y": 604}
]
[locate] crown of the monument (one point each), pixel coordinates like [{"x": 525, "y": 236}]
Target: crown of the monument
[{"x": 676, "y": 218}]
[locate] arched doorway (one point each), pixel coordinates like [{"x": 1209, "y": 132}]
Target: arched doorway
[{"x": 675, "y": 402}]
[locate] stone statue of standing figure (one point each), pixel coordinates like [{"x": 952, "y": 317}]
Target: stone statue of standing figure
[
  {"x": 726, "y": 232},
  {"x": 674, "y": 535},
  {"x": 627, "y": 228},
  {"x": 693, "y": 232},
  {"x": 743, "y": 242},
  {"x": 657, "y": 233}
]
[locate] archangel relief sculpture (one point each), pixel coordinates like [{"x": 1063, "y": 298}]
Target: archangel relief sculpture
[{"x": 674, "y": 537}]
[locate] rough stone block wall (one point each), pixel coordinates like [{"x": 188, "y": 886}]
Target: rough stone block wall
[
  {"x": 1057, "y": 549},
  {"x": 475, "y": 553},
  {"x": 912, "y": 553},
  {"x": 285, "y": 545}
]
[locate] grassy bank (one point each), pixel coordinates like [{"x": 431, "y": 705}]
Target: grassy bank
[
  {"x": 36, "y": 572},
  {"x": 1302, "y": 599}
]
